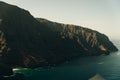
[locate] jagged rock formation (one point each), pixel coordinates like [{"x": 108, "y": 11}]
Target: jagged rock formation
[
  {"x": 29, "y": 42},
  {"x": 89, "y": 41}
]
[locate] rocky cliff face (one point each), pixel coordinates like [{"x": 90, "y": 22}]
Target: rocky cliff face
[
  {"x": 29, "y": 42},
  {"x": 79, "y": 38}
]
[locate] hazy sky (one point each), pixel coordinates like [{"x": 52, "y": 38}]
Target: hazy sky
[{"x": 101, "y": 15}]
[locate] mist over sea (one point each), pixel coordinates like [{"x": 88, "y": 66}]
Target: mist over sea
[{"x": 85, "y": 68}]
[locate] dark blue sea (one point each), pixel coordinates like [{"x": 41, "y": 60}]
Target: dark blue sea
[{"x": 85, "y": 68}]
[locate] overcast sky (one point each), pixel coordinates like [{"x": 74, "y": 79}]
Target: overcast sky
[{"x": 100, "y": 15}]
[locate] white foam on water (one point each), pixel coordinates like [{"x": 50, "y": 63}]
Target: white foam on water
[{"x": 16, "y": 69}]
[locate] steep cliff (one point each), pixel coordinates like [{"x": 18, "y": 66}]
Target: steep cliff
[
  {"x": 29, "y": 42},
  {"x": 78, "y": 39}
]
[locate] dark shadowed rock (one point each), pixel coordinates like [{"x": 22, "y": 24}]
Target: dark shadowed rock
[
  {"x": 5, "y": 70},
  {"x": 17, "y": 76},
  {"x": 29, "y": 42}
]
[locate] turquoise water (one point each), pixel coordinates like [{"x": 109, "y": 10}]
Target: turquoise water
[{"x": 81, "y": 69}]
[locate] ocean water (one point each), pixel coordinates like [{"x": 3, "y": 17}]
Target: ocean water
[{"x": 85, "y": 68}]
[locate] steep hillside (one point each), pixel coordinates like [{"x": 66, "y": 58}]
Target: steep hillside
[
  {"x": 84, "y": 39},
  {"x": 28, "y": 42}
]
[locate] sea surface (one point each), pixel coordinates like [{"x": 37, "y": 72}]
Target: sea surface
[{"x": 85, "y": 68}]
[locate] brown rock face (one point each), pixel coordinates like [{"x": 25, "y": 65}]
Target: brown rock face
[{"x": 29, "y": 42}]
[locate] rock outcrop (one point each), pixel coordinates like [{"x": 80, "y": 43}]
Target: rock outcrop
[{"x": 29, "y": 42}]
